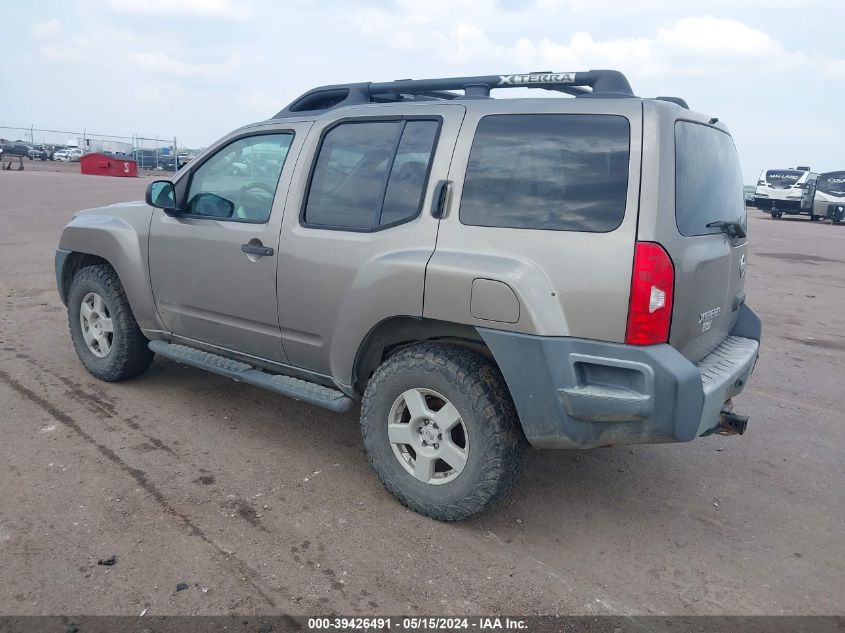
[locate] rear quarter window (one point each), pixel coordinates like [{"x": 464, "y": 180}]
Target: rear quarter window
[
  {"x": 561, "y": 172},
  {"x": 708, "y": 179}
]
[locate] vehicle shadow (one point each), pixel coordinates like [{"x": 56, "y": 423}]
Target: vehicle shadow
[{"x": 554, "y": 485}]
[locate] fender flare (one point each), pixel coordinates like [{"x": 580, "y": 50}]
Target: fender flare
[{"x": 117, "y": 242}]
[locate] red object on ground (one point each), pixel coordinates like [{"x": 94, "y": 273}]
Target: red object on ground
[{"x": 105, "y": 165}]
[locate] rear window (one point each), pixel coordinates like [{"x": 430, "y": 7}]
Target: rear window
[
  {"x": 832, "y": 183},
  {"x": 708, "y": 179},
  {"x": 783, "y": 178},
  {"x": 561, "y": 172}
]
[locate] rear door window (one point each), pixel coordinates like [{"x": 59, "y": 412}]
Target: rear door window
[
  {"x": 708, "y": 179},
  {"x": 409, "y": 173},
  {"x": 561, "y": 172},
  {"x": 370, "y": 174}
]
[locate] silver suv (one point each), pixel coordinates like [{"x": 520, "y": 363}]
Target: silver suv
[{"x": 481, "y": 274}]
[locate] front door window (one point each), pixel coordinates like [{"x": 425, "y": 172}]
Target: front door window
[{"x": 239, "y": 182}]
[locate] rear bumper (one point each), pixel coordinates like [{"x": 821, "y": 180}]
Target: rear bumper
[
  {"x": 578, "y": 393},
  {"x": 789, "y": 205}
]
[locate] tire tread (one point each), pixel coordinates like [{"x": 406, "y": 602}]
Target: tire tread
[
  {"x": 481, "y": 383},
  {"x": 131, "y": 357}
]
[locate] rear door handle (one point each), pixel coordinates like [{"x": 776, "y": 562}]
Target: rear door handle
[
  {"x": 257, "y": 249},
  {"x": 438, "y": 204}
]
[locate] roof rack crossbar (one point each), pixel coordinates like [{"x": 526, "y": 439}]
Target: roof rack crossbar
[
  {"x": 575, "y": 91},
  {"x": 604, "y": 83},
  {"x": 435, "y": 94}
]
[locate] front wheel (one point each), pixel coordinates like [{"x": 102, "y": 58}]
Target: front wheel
[
  {"x": 441, "y": 431},
  {"x": 107, "y": 339}
]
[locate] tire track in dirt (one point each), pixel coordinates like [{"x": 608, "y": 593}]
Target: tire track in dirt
[
  {"x": 105, "y": 407},
  {"x": 99, "y": 404},
  {"x": 240, "y": 566}
]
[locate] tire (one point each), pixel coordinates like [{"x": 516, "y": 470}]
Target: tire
[
  {"x": 815, "y": 218},
  {"x": 776, "y": 215},
  {"x": 122, "y": 355},
  {"x": 493, "y": 442}
]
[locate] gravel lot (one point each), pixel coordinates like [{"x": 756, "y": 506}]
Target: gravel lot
[{"x": 265, "y": 505}]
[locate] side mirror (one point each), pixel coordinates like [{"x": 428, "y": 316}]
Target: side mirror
[
  {"x": 162, "y": 195},
  {"x": 211, "y": 205}
]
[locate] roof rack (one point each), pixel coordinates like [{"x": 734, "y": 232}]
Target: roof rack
[
  {"x": 676, "y": 101},
  {"x": 592, "y": 83}
]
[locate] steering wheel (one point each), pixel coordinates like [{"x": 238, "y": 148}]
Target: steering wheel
[{"x": 254, "y": 200}]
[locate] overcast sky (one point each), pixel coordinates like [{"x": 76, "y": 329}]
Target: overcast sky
[{"x": 773, "y": 70}]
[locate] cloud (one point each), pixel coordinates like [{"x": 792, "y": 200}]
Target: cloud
[
  {"x": 74, "y": 49},
  {"x": 163, "y": 57},
  {"x": 174, "y": 61},
  {"x": 47, "y": 29},
  {"x": 692, "y": 46},
  {"x": 716, "y": 36},
  {"x": 226, "y": 9},
  {"x": 159, "y": 62}
]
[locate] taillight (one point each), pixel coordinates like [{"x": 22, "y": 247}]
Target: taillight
[{"x": 652, "y": 289}]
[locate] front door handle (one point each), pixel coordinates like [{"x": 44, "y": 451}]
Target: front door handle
[{"x": 253, "y": 248}]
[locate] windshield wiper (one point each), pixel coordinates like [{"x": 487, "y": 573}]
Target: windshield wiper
[{"x": 731, "y": 228}]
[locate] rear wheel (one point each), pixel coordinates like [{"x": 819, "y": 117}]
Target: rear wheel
[
  {"x": 776, "y": 215},
  {"x": 107, "y": 339},
  {"x": 815, "y": 218},
  {"x": 441, "y": 431}
]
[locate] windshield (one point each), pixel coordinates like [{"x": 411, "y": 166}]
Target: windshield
[
  {"x": 832, "y": 183},
  {"x": 783, "y": 178},
  {"x": 708, "y": 179}
]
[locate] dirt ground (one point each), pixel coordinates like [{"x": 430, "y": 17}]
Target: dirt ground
[{"x": 261, "y": 504}]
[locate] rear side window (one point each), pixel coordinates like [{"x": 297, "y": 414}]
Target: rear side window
[
  {"x": 561, "y": 172},
  {"x": 708, "y": 179},
  {"x": 370, "y": 175}
]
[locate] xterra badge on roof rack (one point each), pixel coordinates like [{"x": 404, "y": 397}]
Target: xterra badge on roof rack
[{"x": 537, "y": 78}]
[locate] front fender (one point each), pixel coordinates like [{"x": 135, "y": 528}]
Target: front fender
[{"x": 120, "y": 235}]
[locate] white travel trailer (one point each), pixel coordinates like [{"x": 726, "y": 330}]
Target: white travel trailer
[
  {"x": 824, "y": 196},
  {"x": 779, "y": 191}
]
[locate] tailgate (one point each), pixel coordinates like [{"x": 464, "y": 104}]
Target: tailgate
[
  {"x": 702, "y": 184},
  {"x": 709, "y": 281}
]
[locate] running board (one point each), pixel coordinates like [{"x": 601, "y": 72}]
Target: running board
[{"x": 296, "y": 388}]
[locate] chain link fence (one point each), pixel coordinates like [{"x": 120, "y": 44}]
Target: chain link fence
[{"x": 151, "y": 151}]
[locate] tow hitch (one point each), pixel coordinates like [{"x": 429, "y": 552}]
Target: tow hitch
[{"x": 731, "y": 424}]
